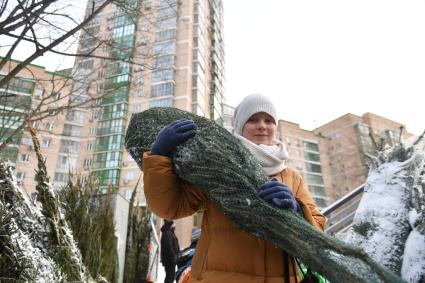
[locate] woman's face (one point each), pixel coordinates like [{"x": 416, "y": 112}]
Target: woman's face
[{"x": 260, "y": 129}]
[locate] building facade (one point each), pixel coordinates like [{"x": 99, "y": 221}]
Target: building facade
[
  {"x": 307, "y": 154},
  {"x": 34, "y": 95},
  {"x": 158, "y": 53},
  {"x": 351, "y": 140}
]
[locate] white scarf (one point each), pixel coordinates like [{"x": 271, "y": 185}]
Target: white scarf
[{"x": 271, "y": 157}]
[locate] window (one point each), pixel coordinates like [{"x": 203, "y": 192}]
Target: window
[
  {"x": 87, "y": 164},
  {"x": 163, "y": 89},
  {"x": 139, "y": 80},
  {"x": 94, "y": 115},
  {"x": 163, "y": 62},
  {"x": 25, "y": 157},
  {"x": 315, "y": 168},
  {"x": 20, "y": 85},
  {"x": 75, "y": 116},
  {"x": 61, "y": 177},
  {"x": 20, "y": 176},
  {"x": 108, "y": 143},
  {"x": 130, "y": 175},
  {"x": 68, "y": 146},
  {"x": 127, "y": 194},
  {"x": 162, "y": 75},
  {"x": 34, "y": 196},
  {"x": 56, "y": 96},
  {"x": 138, "y": 93},
  {"x": 107, "y": 159},
  {"x": 312, "y": 156},
  {"x": 48, "y": 126},
  {"x": 164, "y": 102},
  {"x": 297, "y": 142},
  {"x": 311, "y": 146},
  {"x": 92, "y": 131},
  {"x": 110, "y": 127},
  {"x": 165, "y": 35},
  {"x": 71, "y": 130},
  {"x": 166, "y": 11},
  {"x": 38, "y": 93},
  {"x": 45, "y": 143},
  {"x": 314, "y": 179},
  {"x": 123, "y": 31},
  {"x": 89, "y": 146},
  {"x": 136, "y": 108},
  {"x": 166, "y": 23},
  {"x": 166, "y": 2},
  {"x": 66, "y": 163},
  {"x": 85, "y": 64},
  {"x": 84, "y": 180},
  {"x": 26, "y": 141},
  {"x": 167, "y": 47},
  {"x": 113, "y": 111}
]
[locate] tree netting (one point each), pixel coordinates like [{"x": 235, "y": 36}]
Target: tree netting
[{"x": 229, "y": 175}]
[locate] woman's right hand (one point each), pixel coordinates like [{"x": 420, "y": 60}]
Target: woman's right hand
[{"x": 172, "y": 135}]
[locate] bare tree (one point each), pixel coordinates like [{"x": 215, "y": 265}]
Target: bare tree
[{"x": 54, "y": 27}]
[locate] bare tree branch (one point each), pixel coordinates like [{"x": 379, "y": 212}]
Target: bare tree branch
[
  {"x": 53, "y": 44},
  {"x": 4, "y": 28}
]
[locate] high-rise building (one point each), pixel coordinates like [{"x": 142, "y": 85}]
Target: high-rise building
[
  {"x": 351, "y": 140},
  {"x": 168, "y": 53}
]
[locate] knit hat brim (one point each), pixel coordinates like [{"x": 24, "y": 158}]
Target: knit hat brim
[{"x": 249, "y": 106}]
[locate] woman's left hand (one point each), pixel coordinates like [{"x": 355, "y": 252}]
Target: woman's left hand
[{"x": 278, "y": 194}]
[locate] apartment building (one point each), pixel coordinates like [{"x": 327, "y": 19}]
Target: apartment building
[
  {"x": 168, "y": 53},
  {"x": 307, "y": 154},
  {"x": 351, "y": 140},
  {"x": 34, "y": 94}
]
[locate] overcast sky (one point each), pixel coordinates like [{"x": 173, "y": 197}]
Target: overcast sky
[{"x": 318, "y": 60}]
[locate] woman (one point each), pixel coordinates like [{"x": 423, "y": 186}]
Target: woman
[{"x": 225, "y": 253}]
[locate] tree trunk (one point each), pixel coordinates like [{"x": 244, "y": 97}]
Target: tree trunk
[{"x": 229, "y": 175}]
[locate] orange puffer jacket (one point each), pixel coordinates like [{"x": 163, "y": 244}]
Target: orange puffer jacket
[{"x": 224, "y": 253}]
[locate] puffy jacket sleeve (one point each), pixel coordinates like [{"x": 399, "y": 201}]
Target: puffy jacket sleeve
[
  {"x": 167, "y": 195},
  {"x": 303, "y": 197}
]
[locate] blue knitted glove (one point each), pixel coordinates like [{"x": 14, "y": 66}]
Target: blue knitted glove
[
  {"x": 278, "y": 194},
  {"x": 172, "y": 135}
]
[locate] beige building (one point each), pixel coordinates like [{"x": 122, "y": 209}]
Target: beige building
[
  {"x": 174, "y": 57},
  {"x": 156, "y": 53},
  {"x": 34, "y": 94},
  {"x": 350, "y": 140},
  {"x": 307, "y": 154}
]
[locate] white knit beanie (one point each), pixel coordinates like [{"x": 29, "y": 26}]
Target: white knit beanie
[{"x": 250, "y": 105}]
